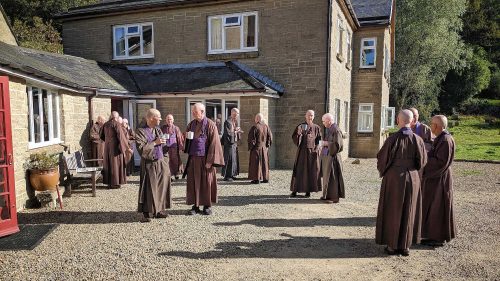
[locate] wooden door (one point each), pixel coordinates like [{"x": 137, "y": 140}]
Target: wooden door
[{"x": 8, "y": 215}]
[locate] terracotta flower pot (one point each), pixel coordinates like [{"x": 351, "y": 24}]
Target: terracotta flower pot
[{"x": 42, "y": 180}]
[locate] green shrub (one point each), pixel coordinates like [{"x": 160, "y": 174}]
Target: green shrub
[{"x": 42, "y": 161}]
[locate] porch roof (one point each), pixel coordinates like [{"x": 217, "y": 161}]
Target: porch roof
[
  {"x": 74, "y": 72},
  {"x": 204, "y": 77}
]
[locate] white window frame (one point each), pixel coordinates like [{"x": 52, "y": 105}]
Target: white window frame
[
  {"x": 363, "y": 47},
  {"x": 140, "y": 33},
  {"x": 346, "y": 116},
  {"x": 387, "y": 62},
  {"x": 364, "y": 112},
  {"x": 223, "y": 18},
  {"x": 52, "y": 124},
  {"x": 203, "y": 100},
  {"x": 349, "y": 48},
  {"x": 337, "y": 111},
  {"x": 386, "y": 112},
  {"x": 340, "y": 35}
]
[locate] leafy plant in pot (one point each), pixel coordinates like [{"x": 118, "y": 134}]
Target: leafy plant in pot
[{"x": 43, "y": 171}]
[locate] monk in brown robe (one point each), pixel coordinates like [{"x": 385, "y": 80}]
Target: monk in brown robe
[
  {"x": 423, "y": 131},
  {"x": 260, "y": 139},
  {"x": 154, "y": 188},
  {"x": 230, "y": 138},
  {"x": 115, "y": 147},
  {"x": 331, "y": 161},
  {"x": 438, "y": 221},
  {"x": 306, "y": 170},
  {"x": 174, "y": 146},
  {"x": 95, "y": 138},
  {"x": 205, "y": 153},
  {"x": 129, "y": 157},
  {"x": 399, "y": 160}
]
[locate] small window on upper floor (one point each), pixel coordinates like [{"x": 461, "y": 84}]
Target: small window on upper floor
[
  {"x": 233, "y": 33},
  {"x": 368, "y": 55},
  {"x": 133, "y": 41}
]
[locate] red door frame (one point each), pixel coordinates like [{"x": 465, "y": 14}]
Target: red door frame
[{"x": 7, "y": 226}]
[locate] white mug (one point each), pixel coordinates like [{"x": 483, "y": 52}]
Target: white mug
[
  {"x": 190, "y": 135},
  {"x": 167, "y": 136}
]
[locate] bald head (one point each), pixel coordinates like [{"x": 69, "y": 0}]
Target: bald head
[
  {"x": 153, "y": 117},
  {"x": 120, "y": 120},
  {"x": 100, "y": 119},
  {"x": 259, "y": 117},
  {"x": 198, "y": 111},
  {"x": 439, "y": 123},
  {"x": 405, "y": 117},
  {"x": 309, "y": 116},
  {"x": 114, "y": 115},
  {"x": 327, "y": 120}
]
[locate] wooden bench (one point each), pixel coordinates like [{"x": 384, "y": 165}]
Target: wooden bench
[{"x": 77, "y": 172}]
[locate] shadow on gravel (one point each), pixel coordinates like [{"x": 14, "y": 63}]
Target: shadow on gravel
[
  {"x": 264, "y": 199},
  {"x": 355, "y": 221},
  {"x": 72, "y": 217},
  {"x": 298, "y": 247}
]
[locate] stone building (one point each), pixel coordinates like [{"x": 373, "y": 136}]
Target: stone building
[{"x": 276, "y": 57}]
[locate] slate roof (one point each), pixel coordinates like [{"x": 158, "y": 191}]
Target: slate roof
[
  {"x": 373, "y": 12},
  {"x": 84, "y": 75},
  {"x": 74, "y": 72},
  {"x": 124, "y": 5},
  {"x": 206, "y": 77}
]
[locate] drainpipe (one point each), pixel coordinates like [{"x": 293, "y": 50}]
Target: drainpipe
[
  {"x": 328, "y": 57},
  {"x": 91, "y": 107}
]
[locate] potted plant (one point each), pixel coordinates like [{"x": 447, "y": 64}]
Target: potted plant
[{"x": 43, "y": 171}]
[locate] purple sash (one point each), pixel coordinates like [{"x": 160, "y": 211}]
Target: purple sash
[
  {"x": 198, "y": 144},
  {"x": 172, "y": 142},
  {"x": 158, "y": 154}
]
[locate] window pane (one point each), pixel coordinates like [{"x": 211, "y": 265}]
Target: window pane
[
  {"x": 233, "y": 38},
  {"x": 366, "y": 121},
  {"x": 55, "y": 109},
  {"x": 147, "y": 39},
  {"x": 134, "y": 48},
  {"x": 216, "y": 34},
  {"x": 36, "y": 115},
  {"x": 233, "y": 20},
  {"x": 346, "y": 116},
  {"x": 365, "y": 108},
  {"x": 214, "y": 112},
  {"x": 368, "y": 43},
  {"x": 249, "y": 31},
  {"x": 368, "y": 57},
  {"x": 133, "y": 29},
  {"x": 45, "y": 116},
  {"x": 120, "y": 41}
]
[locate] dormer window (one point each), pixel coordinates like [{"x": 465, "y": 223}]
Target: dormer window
[
  {"x": 233, "y": 33},
  {"x": 133, "y": 41}
]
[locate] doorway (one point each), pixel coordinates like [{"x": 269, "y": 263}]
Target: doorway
[
  {"x": 136, "y": 115},
  {"x": 8, "y": 212}
]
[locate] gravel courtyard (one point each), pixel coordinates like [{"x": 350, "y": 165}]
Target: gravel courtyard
[{"x": 258, "y": 233}]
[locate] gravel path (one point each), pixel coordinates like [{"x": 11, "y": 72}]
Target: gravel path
[{"x": 258, "y": 233}]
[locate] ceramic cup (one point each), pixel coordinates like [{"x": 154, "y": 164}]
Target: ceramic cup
[{"x": 190, "y": 135}]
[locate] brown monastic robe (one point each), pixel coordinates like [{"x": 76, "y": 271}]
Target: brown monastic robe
[
  {"x": 174, "y": 151},
  {"x": 260, "y": 139},
  {"x": 331, "y": 165},
  {"x": 115, "y": 147},
  {"x": 399, "y": 160},
  {"x": 202, "y": 182},
  {"x": 97, "y": 143},
  {"x": 231, "y": 157},
  {"x": 154, "y": 188},
  {"x": 423, "y": 131},
  {"x": 129, "y": 156},
  {"x": 306, "y": 170},
  {"x": 438, "y": 222}
]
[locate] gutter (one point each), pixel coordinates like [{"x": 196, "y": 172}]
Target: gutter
[{"x": 328, "y": 57}]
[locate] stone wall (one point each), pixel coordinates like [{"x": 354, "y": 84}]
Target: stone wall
[
  {"x": 292, "y": 51},
  {"x": 368, "y": 86},
  {"x": 101, "y": 106}
]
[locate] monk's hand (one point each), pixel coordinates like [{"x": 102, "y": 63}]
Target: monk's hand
[
  {"x": 159, "y": 141},
  {"x": 208, "y": 165}
]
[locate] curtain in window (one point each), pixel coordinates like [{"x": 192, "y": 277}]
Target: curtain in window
[
  {"x": 249, "y": 31},
  {"x": 216, "y": 34}
]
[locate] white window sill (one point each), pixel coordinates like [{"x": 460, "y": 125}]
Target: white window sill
[
  {"x": 134, "y": 58},
  {"x": 368, "y": 67},
  {"x": 33, "y": 145},
  {"x": 359, "y": 131},
  {"x": 232, "y": 51}
]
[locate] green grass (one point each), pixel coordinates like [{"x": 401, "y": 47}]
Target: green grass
[
  {"x": 475, "y": 139},
  {"x": 494, "y": 102}
]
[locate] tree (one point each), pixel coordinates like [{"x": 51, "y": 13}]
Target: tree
[
  {"x": 32, "y": 21},
  {"x": 428, "y": 45},
  {"x": 461, "y": 85}
]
